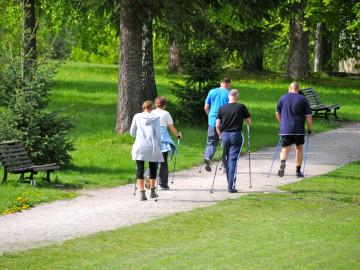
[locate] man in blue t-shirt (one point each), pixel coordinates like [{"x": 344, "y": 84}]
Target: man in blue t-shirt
[
  {"x": 215, "y": 99},
  {"x": 291, "y": 111}
]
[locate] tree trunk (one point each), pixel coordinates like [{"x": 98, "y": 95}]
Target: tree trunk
[
  {"x": 130, "y": 65},
  {"x": 149, "y": 91},
  {"x": 254, "y": 64},
  {"x": 29, "y": 37},
  {"x": 298, "y": 62},
  {"x": 174, "y": 65},
  {"x": 323, "y": 48}
]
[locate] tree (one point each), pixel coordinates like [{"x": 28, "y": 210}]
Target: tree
[
  {"x": 130, "y": 66},
  {"x": 29, "y": 36},
  {"x": 298, "y": 62},
  {"x": 323, "y": 48},
  {"x": 149, "y": 91},
  {"x": 174, "y": 63}
]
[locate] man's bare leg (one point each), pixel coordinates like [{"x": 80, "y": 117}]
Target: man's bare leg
[
  {"x": 283, "y": 157},
  {"x": 298, "y": 159}
]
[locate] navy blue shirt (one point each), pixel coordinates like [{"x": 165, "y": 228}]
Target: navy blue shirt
[{"x": 293, "y": 109}]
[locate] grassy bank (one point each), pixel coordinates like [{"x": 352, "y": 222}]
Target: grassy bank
[
  {"x": 103, "y": 159},
  {"x": 314, "y": 226}
]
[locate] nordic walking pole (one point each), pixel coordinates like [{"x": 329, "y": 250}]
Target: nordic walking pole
[
  {"x": 275, "y": 156},
  {"x": 202, "y": 162},
  {"x": 177, "y": 150},
  {"x": 135, "y": 187},
  {"x": 157, "y": 181},
  {"x": 248, "y": 130},
  {"x": 217, "y": 164},
  {"x": 307, "y": 144}
]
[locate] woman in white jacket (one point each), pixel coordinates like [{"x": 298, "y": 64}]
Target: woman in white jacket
[{"x": 145, "y": 127}]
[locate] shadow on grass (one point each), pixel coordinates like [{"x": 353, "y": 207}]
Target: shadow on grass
[{"x": 97, "y": 170}]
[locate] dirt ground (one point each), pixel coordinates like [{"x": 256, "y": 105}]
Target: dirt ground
[{"x": 108, "y": 209}]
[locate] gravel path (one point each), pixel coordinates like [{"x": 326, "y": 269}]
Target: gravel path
[{"x": 107, "y": 209}]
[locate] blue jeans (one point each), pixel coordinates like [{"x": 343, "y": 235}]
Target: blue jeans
[
  {"x": 232, "y": 144},
  {"x": 212, "y": 142}
]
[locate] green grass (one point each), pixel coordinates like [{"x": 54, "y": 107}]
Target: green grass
[
  {"x": 103, "y": 159},
  {"x": 316, "y": 226}
]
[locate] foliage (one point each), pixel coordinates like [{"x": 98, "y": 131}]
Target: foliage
[
  {"x": 202, "y": 71},
  {"x": 188, "y": 106},
  {"x": 25, "y": 117},
  {"x": 342, "y": 19},
  {"x": 202, "y": 63}
]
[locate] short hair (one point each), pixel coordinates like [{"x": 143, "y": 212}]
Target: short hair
[
  {"x": 226, "y": 80},
  {"x": 147, "y": 105},
  {"x": 295, "y": 85},
  {"x": 234, "y": 93},
  {"x": 160, "y": 102}
]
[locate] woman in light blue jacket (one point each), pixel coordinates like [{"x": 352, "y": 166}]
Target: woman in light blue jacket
[{"x": 145, "y": 127}]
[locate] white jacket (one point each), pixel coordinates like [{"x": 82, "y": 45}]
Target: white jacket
[{"x": 145, "y": 127}]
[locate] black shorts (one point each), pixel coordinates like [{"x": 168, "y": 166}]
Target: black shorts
[{"x": 288, "y": 140}]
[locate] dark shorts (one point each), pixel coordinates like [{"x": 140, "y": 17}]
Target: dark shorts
[{"x": 291, "y": 139}]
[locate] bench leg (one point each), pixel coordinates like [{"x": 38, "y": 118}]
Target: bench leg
[
  {"x": 48, "y": 176},
  {"x": 31, "y": 176},
  {"x": 326, "y": 115},
  {"x": 5, "y": 177},
  {"x": 335, "y": 114},
  {"x": 22, "y": 177}
]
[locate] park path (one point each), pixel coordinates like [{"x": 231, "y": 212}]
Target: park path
[{"x": 108, "y": 209}]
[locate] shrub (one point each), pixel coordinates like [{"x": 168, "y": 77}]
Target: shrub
[
  {"x": 202, "y": 71},
  {"x": 189, "y": 105},
  {"x": 25, "y": 117}
]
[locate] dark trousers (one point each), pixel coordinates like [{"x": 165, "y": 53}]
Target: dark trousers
[
  {"x": 151, "y": 171},
  {"x": 232, "y": 144},
  {"x": 164, "y": 171},
  {"x": 212, "y": 142}
]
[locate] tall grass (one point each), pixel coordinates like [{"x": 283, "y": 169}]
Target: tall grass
[{"x": 103, "y": 159}]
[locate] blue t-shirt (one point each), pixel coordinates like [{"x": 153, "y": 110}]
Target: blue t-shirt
[
  {"x": 293, "y": 109},
  {"x": 216, "y": 98}
]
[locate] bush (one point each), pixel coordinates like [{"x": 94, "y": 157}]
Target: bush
[
  {"x": 202, "y": 71},
  {"x": 189, "y": 105},
  {"x": 25, "y": 117}
]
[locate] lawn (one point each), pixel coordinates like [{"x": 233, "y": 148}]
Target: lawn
[
  {"x": 103, "y": 159},
  {"x": 314, "y": 226}
]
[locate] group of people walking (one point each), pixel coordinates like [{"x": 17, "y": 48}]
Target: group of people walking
[{"x": 225, "y": 122}]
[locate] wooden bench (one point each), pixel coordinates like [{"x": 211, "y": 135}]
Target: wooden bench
[
  {"x": 16, "y": 160},
  {"x": 317, "y": 105},
  {"x": 336, "y": 74}
]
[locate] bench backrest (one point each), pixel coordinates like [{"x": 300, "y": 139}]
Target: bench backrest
[
  {"x": 312, "y": 96},
  {"x": 13, "y": 155}
]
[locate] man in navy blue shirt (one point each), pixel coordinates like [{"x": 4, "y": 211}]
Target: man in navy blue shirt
[
  {"x": 229, "y": 123},
  {"x": 292, "y": 110}
]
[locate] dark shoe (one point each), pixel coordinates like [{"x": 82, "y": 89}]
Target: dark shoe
[
  {"x": 233, "y": 190},
  {"x": 164, "y": 187},
  {"x": 152, "y": 193},
  {"x": 282, "y": 170},
  {"x": 142, "y": 195},
  {"x": 299, "y": 175},
  {"x": 207, "y": 165}
]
